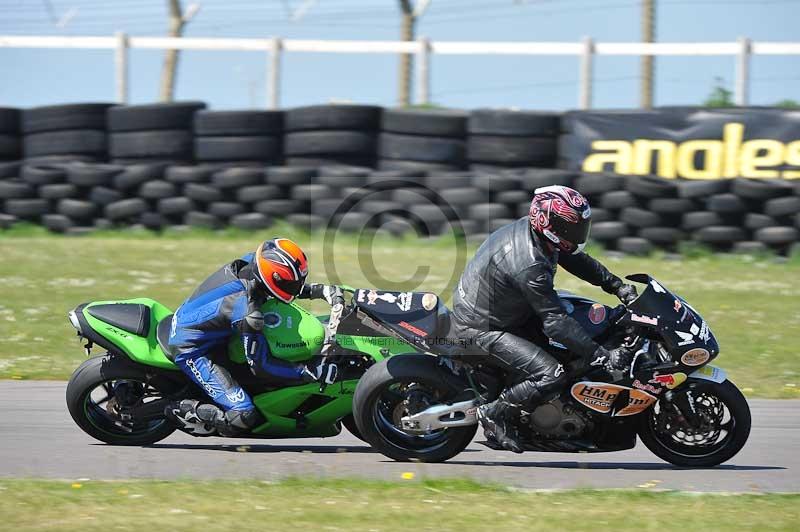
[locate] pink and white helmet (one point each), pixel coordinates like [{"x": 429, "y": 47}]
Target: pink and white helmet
[{"x": 562, "y": 215}]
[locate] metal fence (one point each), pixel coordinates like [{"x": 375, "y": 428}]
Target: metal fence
[{"x": 275, "y": 47}]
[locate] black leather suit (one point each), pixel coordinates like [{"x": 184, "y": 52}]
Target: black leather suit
[{"x": 505, "y": 298}]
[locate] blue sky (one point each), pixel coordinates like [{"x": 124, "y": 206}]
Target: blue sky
[{"x": 229, "y": 80}]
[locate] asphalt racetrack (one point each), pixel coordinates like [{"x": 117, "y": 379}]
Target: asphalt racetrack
[{"x": 38, "y": 439}]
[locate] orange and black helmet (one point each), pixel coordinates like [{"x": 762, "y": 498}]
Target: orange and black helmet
[{"x": 282, "y": 267}]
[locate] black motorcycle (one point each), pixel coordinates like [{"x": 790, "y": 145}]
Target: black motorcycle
[{"x": 423, "y": 406}]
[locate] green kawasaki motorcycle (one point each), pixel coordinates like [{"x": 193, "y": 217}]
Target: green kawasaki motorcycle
[{"x": 119, "y": 397}]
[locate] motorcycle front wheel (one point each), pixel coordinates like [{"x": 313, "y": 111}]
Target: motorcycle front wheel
[{"x": 720, "y": 431}]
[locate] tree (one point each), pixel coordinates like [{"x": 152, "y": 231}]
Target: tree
[
  {"x": 410, "y": 13},
  {"x": 788, "y": 104},
  {"x": 720, "y": 96},
  {"x": 177, "y": 21}
]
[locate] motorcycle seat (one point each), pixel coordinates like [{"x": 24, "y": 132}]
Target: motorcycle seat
[
  {"x": 130, "y": 317},
  {"x": 162, "y": 336}
]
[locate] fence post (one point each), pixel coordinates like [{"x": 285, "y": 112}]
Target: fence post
[
  {"x": 585, "y": 74},
  {"x": 274, "y": 74},
  {"x": 423, "y": 71},
  {"x": 121, "y": 67},
  {"x": 742, "y": 95}
]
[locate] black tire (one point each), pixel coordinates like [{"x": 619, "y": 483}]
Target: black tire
[
  {"x": 76, "y": 209},
  {"x": 495, "y": 183},
  {"x": 202, "y": 219},
  {"x": 225, "y": 209},
  {"x": 286, "y": 176},
  {"x": 598, "y": 215},
  {"x": 682, "y": 455},
  {"x": 16, "y": 189},
  {"x": 778, "y": 207},
  {"x": 60, "y": 117},
  {"x": 178, "y": 206},
  {"x": 361, "y": 160},
  {"x": 511, "y": 150},
  {"x": 306, "y": 221},
  {"x": 255, "y": 193},
  {"x": 389, "y": 180},
  {"x": 93, "y": 373},
  {"x": 726, "y": 203},
  {"x": 514, "y": 197},
  {"x": 92, "y": 175},
  {"x": 441, "y": 181},
  {"x": 263, "y": 149},
  {"x": 417, "y": 166},
  {"x": 58, "y": 223},
  {"x": 38, "y": 175},
  {"x": 341, "y": 180},
  {"x": 251, "y": 221},
  {"x": 203, "y": 193},
  {"x": 609, "y": 231},
  {"x": 719, "y": 235},
  {"x": 755, "y": 221},
  {"x": 158, "y": 189},
  {"x": 157, "y": 116},
  {"x": 759, "y": 189},
  {"x": 617, "y": 199},
  {"x": 66, "y": 142},
  {"x": 513, "y": 123},
  {"x": 238, "y": 123},
  {"x": 237, "y": 177},
  {"x": 324, "y": 117},
  {"x": 27, "y": 209},
  {"x": 431, "y": 122},
  {"x": 125, "y": 209},
  {"x": 419, "y": 148},
  {"x": 488, "y": 211},
  {"x": 634, "y": 245},
  {"x": 103, "y": 195},
  {"x": 701, "y": 189},
  {"x": 777, "y": 236},
  {"x": 184, "y": 174},
  {"x": 10, "y": 147},
  {"x": 417, "y": 368},
  {"x": 58, "y": 191},
  {"x": 668, "y": 206},
  {"x": 135, "y": 175},
  {"x": 376, "y": 207},
  {"x": 699, "y": 219},
  {"x": 329, "y": 142},
  {"x": 662, "y": 236},
  {"x": 652, "y": 187},
  {"x": 311, "y": 192},
  {"x": 349, "y": 423},
  {"x": 278, "y": 208},
  {"x": 636, "y": 217},
  {"x": 173, "y": 144},
  {"x": 750, "y": 247}
]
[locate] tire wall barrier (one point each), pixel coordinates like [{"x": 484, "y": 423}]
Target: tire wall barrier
[{"x": 76, "y": 168}]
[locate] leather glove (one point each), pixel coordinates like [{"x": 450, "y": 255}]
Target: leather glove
[
  {"x": 626, "y": 293},
  {"x": 321, "y": 291},
  {"x": 614, "y": 360},
  {"x": 322, "y": 373}
]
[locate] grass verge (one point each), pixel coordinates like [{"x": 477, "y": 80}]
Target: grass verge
[
  {"x": 750, "y": 303},
  {"x": 375, "y": 506}
]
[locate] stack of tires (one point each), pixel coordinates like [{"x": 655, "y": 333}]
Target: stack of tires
[
  {"x": 511, "y": 139},
  {"x": 321, "y": 135},
  {"x": 422, "y": 140},
  {"x": 238, "y": 138},
  {"x": 160, "y": 132},
  {"x": 58, "y": 133}
]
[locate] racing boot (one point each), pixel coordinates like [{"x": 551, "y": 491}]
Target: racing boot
[
  {"x": 497, "y": 419},
  {"x": 203, "y": 419}
]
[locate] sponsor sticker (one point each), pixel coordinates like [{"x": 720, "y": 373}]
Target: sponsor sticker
[
  {"x": 686, "y": 338},
  {"x": 600, "y": 397},
  {"x": 644, "y": 319},
  {"x": 669, "y": 380},
  {"x": 272, "y": 320},
  {"x": 597, "y": 313},
  {"x": 372, "y": 297},
  {"x": 646, "y": 387},
  {"x": 429, "y": 301},
  {"x": 704, "y": 334},
  {"x": 404, "y": 301},
  {"x": 695, "y": 357},
  {"x": 677, "y": 305},
  {"x": 657, "y": 287},
  {"x": 360, "y": 296},
  {"x": 416, "y": 330}
]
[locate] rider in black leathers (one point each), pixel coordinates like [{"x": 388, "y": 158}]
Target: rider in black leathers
[{"x": 506, "y": 293}]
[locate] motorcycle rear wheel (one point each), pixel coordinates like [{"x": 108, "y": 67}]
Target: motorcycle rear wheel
[
  {"x": 722, "y": 408},
  {"x": 97, "y": 390},
  {"x": 381, "y": 398}
]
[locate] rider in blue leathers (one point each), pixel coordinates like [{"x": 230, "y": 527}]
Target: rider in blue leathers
[{"x": 229, "y": 301}]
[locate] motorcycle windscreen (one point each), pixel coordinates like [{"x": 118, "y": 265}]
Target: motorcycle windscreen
[
  {"x": 682, "y": 329},
  {"x": 411, "y": 315}
]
